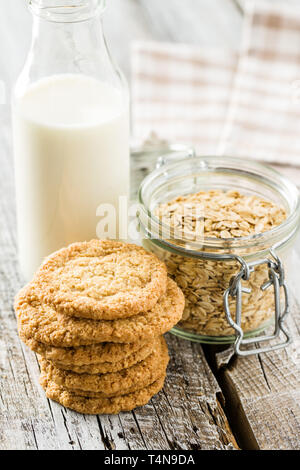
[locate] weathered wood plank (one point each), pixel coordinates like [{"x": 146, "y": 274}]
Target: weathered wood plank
[
  {"x": 188, "y": 406},
  {"x": 186, "y": 415},
  {"x": 262, "y": 394},
  {"x": 121, "y": 432},
  {"x": 27, "y": 419},
  {"x": 181, "y": 415}
]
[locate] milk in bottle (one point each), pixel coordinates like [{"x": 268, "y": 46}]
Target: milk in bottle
[
  {"x": 71, "y": 155},
  {"x": 70, "y": 130}
]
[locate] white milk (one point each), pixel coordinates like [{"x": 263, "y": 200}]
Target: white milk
[{"x": 71, "y": 138}]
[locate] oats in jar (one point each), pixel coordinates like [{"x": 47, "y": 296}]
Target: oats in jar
[{"x": 227, "y": 216}]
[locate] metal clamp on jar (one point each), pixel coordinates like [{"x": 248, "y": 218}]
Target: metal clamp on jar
[{"x": 235, "y": 287}]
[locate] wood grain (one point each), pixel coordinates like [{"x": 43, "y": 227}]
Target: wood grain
[
  {"x": 186, "y": 415},
  {"x": 262, "y": 393}
]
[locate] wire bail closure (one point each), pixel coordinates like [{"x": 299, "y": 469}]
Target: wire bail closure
[{"x": 236, "y": 290}]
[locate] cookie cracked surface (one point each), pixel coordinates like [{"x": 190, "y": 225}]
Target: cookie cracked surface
[
  {"x": 39, "y": 321},
  {"x": 101, "y": 279},
  {"x": 125, "y": 381},
  {"x": 109, "y": 366},
  {"x": 104, "y": 355},
  {"x": 101, "y": 405}
]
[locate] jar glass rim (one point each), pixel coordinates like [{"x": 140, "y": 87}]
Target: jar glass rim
[{"x": 265, "y": 174}]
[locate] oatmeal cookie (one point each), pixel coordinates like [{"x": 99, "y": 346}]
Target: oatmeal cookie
[
  {"x": 100, "y": 355},
  {"x": 101, "y": 279},
  {"x": 106, "y": 367},
  {"x": 101, "y": 405},
  {"x": 112, "y": 384},
  {"x": 41, "y": 322}
]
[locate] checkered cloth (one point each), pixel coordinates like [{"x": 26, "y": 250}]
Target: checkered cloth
[
  {"x": 181, "y": 93},
  {"x": 246, "y": 105}
]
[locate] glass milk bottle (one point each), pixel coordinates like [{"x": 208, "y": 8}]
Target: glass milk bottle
[{"x": 70, "y": 130}]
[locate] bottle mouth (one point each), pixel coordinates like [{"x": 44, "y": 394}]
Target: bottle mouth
[{"x": 67, "y": 11}]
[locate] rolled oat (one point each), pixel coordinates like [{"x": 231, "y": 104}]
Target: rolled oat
[{"x": 226, "y": 215}]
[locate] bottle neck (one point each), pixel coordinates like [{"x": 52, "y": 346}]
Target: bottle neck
[
  {"x": 67, "y": 11},
  {"x": 72, "y": 44},
  {"x": 69, "y": 46}
]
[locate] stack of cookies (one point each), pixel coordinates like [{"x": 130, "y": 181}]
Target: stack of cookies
[{"x": 95, "y": 313}]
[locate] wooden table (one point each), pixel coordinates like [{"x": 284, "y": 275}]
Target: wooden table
[{"x": 209, "y": 401}]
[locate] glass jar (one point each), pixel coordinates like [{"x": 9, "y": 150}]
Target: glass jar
[
  {"x": 144, "y": 157},
  {"x": 70, "y": 130},
  {"x": 233, "y": 287}
]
